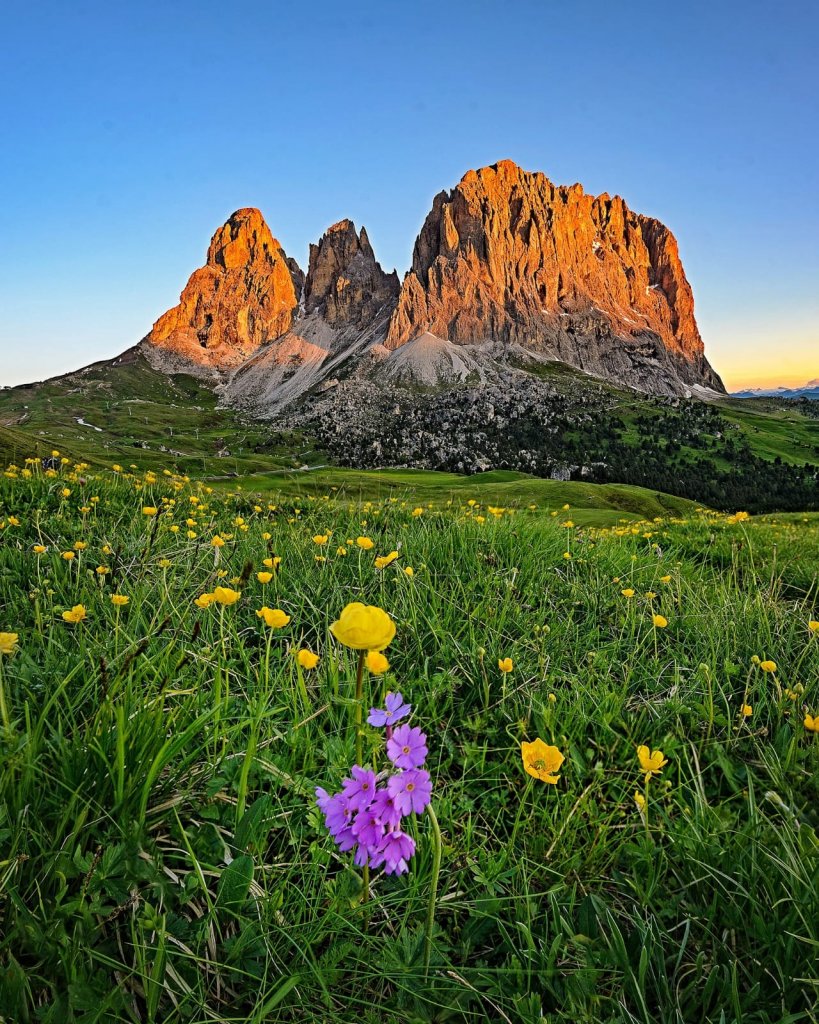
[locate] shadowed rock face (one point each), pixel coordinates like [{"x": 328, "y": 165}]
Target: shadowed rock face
[
  {"x": 344, "y": 281},
  {"x": 247, "y": 293},
  {"x": 508, "y": 257}
]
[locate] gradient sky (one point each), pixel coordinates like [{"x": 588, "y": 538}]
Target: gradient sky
[{"x": 130, "y": 131}]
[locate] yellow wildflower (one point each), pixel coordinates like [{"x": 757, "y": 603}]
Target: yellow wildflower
[
  {"x": 8, "y": 643},
  {"x": 275, "y": 618},
  {"x": 307, "y": 659},
  {"x": 204, "y": 601},
  {"x": 811, "y": 723},
  {"x": 364, "y": 543},
  {"x": 77, "y": 614},
  {"x": 660, "y": 621},
  {"x": 384, "y": 560},
  {"x": 768, "y": 666},
  {"x": 264, "y": 577},
  {"x": 651, "y": 761},
  {"x": 376, "y": 663},
  {"x": 224, "y": 595},
  {"x": 363, "y": 627},
  {"x": 541, "y": 761},
  {"x": 505, "y": 664}
]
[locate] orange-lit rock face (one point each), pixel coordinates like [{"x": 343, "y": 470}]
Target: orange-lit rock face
[
  {"x": 246, "y": 294},
  {"x": 510, "y": 258},
  {"x": 344, "y": 281}
]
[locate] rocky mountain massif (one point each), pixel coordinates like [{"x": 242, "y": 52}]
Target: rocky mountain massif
[{"x": 510, "y": 274}]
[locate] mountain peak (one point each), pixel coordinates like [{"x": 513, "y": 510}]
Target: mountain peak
[
  {"x": 246, "y": 293},
  {"x": 344, "y": 280},
  {"x": 508, "y": 257}
]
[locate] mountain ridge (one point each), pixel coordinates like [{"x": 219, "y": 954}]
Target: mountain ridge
[{"x": 505, "y": 261}]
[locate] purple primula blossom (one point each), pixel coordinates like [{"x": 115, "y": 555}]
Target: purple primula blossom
[
  {"x": 337, "y": 813},
  {"x": 407, "y": 747},
  {"x": 361, "y": 857},
  {"x": 384, "y": 806},
  {"x": 323, "y": 798},
  {"x": 368, "y": 828},
  {"x": 360, "y": 789},
  {"x": 395, "y": 709},
  {"x": 394, "y": 850},
  {"x": 345, "y": 840},
  {"x": 410, "y": 790}
]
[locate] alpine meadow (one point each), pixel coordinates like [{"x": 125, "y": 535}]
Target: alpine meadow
[{"x": 611, "y": 731}]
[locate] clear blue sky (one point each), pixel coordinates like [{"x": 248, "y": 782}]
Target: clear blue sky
[{"x": 130, "y": 131}]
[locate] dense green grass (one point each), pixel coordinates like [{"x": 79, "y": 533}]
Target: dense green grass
[
  {"x": 595, "y": 504},
  {"x": 162, "y": 859}
]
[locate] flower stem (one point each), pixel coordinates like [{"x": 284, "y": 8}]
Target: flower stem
[
  {"x": 359, "y": 696},
  {"x": 437, "y": 847},
  {"x": 4, "y": 714},
  {"x": 359, "y": 753}
]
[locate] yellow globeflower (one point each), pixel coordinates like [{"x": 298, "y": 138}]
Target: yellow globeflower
[
  {"x": 364, "y": 543},
  {"x": 68, "y": 555},
  {"x": 417, "y": 512},
  {"x": 746, "y": 710},
  {"x": 409, "y": 570},
  {"x": 363, "y": 627},
  {"x": 768, "y": 666},
  {"x": 813, "y": 626},
  {"x": 8, "y": 643},
  {"x": 376, "y": 663},
  {"x": 224, "y": 595},
  {"x": 660, "y": 621},
  {"x": 275, "y": 618},
  {"x": 665, "y": 579},
  {"x": 811, "y": 722},
  {"x": 321, "y": 538},
  {"x": 77, "y": 614},
  {"x": 204, "y": 601},
  {"x": 149, "y": 510},
  {"x": 264, "y": 577},
  {"x": 80, "y": 545},
  {"x": 217, "y": 542},
  {"x": 541, "y": 761},
  {"x": 505, "y": 664},
  {"x": 384, "y": 560},
  {"x": 39, "y": 549},
  {"x": 640, "y": 800},
  {"x": 272, "y": 563},
  {"x": 651, "y": 761},
  {"x": 628, "y": 592},
  {"x": 119, "y": 600},
  {"x": 307, "y": 659}
]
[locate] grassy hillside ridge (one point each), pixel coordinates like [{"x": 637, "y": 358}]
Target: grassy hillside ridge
[
  {"x": 164, "y": 858},
  {"x": 125, "y": 411}
]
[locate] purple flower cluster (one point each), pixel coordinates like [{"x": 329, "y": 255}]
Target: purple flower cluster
[{"x": 365, "y": 817}]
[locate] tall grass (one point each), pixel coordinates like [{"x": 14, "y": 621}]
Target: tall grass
[{"x": 161, "y": 857}]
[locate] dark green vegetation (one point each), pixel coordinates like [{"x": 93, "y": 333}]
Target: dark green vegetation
[
  {"x": 721, "y": 454},
  {"x": 162, "y": 860}
]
